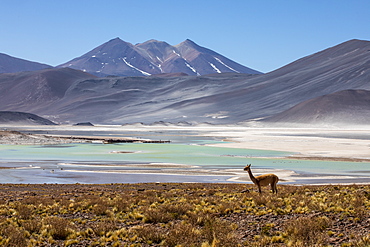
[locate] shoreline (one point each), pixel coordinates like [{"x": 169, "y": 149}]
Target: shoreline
[{"x": 341, "y": 159}]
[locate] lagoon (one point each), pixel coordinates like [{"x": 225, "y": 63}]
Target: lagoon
[
  {"x": 188, "y": 158},
  {"x": 174, "y": 162}
]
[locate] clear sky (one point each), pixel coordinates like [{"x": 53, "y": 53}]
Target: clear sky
[{"x": 260, "y": 34}]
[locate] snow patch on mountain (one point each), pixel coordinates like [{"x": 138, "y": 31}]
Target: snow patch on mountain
[
  {"x": 214, "y": 67},
  {"x": 176, "y": 53},
  {"x": 132, "y": 66},
  {"x": 227, "y": 66},
  {"x": 190, "y": 67}
]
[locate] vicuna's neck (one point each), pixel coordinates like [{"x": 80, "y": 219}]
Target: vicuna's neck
[{"x": 251, "y": 175}]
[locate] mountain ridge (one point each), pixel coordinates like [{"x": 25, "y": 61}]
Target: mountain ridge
[
  {"x": 121, "y": 58},
  {"x": 9, "y": 64}
]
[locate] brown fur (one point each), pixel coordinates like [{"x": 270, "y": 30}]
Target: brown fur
[{"x": 263, "y": 180}]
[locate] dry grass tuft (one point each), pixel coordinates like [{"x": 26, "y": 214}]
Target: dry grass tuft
[
  {"x": 32, "y": 226},
  {"x": 24, "y": 211},
  {"x": 184, "y": 235},
  {"x": 58, "y": 228},
  {"x": 12, "y": 236},
  {"x": 150, "y": 234},
  {"x": 101, "y": 228},
  {"x": 308, "y": 231}
]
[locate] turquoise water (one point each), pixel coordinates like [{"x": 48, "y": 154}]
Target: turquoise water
[
  {"x": 135, "y": 152},
  {"x": 195, "y": 163}
]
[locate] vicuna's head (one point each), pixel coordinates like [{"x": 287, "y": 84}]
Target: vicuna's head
[{"x": 248, "y": 167}]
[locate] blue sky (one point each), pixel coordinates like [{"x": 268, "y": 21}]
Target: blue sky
[{"x": 260, "y": 34}]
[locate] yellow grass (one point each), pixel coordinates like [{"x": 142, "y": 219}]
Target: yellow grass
[{"x": 183, "y": 215}]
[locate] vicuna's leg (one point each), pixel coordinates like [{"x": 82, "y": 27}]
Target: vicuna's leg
[
  {"x": 274, "y": 187},
  {"x": 259, "y": 188}
]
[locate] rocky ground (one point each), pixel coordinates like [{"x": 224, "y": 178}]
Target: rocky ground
[{"x": 183, "y": 215}]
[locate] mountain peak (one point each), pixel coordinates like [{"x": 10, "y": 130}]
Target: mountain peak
[
  {"x": 357, "y": 41},
  {"x": 116, "y": 40},
  {"x": 152, "y": 41},
  {"x": 354, "y": 43},
  {"x": 120, "y": 58},
  {"x": 188, "y": 42}
]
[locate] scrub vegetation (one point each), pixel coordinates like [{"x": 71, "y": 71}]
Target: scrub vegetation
[{"x": 169, "y": 214}]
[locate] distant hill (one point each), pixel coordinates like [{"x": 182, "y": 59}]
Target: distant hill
[
  {"x": 344, "y": 107},
  {"x": 8, "y": 117},
  {"x": 10, "y": 64},
  {"x": 120, "y": 58}
]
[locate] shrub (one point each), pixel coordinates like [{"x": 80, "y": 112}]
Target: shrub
[
  {"x": 100, "y": 209},
  {"x": 121, "y": 205},
  {"x": 102, "y": 227},
  {"x": 58, "y": 228},
  {"x": 15, "y": 237},
  {"x": 184, "y": 235},
  {"x": 157, "y": 215},
  {"x": 24, "y": 212},
  {"x": 99, "y": 206},
  {"x": 176, "y": 210},
  {"x": 307, "y": 230},
  {"x": 32, "y": 226},
  {"x": 150, "y": 234},
  {"x": 219, "y": 232}
]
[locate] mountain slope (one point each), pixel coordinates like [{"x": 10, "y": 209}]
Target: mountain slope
[
  {"x": 345, "y": 66},
  {"x": 137, "y": 99},
  {"x": 206, "y": 61},
  {"x": 343, "y": 107},
  {"x": 29, "y": 91},
  {"x": 115, "y": 57},
  {"x": 120, "y": 58},
  {"x": 10, "y": 64}
]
